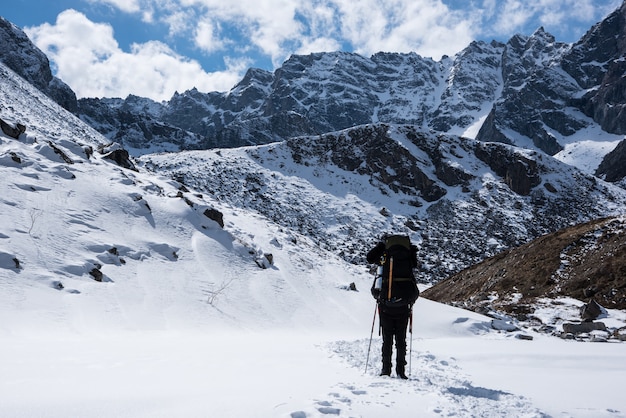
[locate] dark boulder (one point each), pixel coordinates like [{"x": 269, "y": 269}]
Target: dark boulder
[
  {"x": 215, "y": 215},
  {"x": 590, "y": 311},
  {"x": 13, "y": 132}
]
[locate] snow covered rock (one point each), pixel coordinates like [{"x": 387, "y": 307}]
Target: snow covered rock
[
  {"x": 9, "y": 261},
  {"x": 503, "y": 325},
  {"x": 118, "y": 155},
  {"x": 13, "y": 132}
]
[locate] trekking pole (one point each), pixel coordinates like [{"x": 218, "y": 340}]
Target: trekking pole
[
  {"x": 390, "y": 278},
  {"x": 371, "y": 336},
  {"x": 411, "y": 342}
]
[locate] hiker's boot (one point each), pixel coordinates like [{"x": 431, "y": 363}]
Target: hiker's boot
[
  {"x": 401, "y": 358},
  {"x": 386, "y": 370},
  {"x": 400, "y": 370}
]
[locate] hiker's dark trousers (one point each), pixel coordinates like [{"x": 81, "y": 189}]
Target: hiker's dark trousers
[{"x": 394, "y": 322}]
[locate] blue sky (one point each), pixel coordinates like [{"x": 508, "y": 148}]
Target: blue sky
[{"x": 152, "y": 48}]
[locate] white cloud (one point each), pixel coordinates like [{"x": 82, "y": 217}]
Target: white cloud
[
  {"x": 512, "y": 16},
  {"x": 207, "y": 37},
  {"x": 557, "y": 16},
  {"x": 178, "y": 22},
  {"x": 128, "y": 6},
  {"x": 318, "y": 45},
  {"x": 268, "y": 25},
  {"x": 279, "y": 27},
  {"x": 276, "y": 28},
  {"x": 89, "y": 59},
  {"x": 87, "y": 56},
  {"x": 427, "y": 27}
]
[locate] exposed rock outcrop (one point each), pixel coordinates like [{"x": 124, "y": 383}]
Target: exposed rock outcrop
[{"x": 22, "y": 56}]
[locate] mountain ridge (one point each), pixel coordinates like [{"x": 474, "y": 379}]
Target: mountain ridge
[
  {"x": 460, "y": 199},
  {"x": 531, "y": 91}
]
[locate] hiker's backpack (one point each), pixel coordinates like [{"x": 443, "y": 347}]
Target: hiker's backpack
[{"x": 398, "y": 285}]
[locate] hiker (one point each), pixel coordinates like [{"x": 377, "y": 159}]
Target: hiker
[{"x": 395, "y": 290}]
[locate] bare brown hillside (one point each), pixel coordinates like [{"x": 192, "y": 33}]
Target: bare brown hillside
[{"x": 582, "y": 262}]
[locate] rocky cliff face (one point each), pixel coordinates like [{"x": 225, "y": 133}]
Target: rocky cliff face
[
  {"x": 534, "y": 97},
  {"x": 552, "y": 89},
  {"x": 596, "y": 64},
  {"x": 20, "y": 55},
  {"x": 613, "y": 167}
]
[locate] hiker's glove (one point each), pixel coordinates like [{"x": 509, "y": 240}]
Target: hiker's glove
[{"x": 376, "y": 293}]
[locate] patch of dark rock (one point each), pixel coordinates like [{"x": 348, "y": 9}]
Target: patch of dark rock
[{"x": 215, "y": 215}]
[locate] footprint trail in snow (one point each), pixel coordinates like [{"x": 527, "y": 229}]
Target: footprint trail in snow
[{"x": 440, "y": 383}]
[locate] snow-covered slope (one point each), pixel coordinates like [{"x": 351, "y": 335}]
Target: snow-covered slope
[
  {"x": 152, "y": 242},
  {"x": 183, "y": 320}
]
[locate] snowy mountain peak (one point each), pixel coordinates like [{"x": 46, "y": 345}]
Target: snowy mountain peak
[
  {"x": 23, "y": 57},
  {"x": 525, "y": 92}
]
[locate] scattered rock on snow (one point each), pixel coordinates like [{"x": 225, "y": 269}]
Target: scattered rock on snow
[
  {"x": 350, "y": 287},
  {"x": 96, "y": 273},
  {"x": 590, "y": 311},
  {"x": 215, "y": 215},
  {"x": 264, "y": 261},
  {"x": 503, "y": 325},
  {"x": 13, "y": 132},
  {"x": 572, "y": 328}
]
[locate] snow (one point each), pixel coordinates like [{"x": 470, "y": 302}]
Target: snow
[
  {"x": 587, "y": 154},
  {"x": 458, "y": 367},
  {"x": 186, "y": 323},
  {"x": 472, "y": 130}
]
